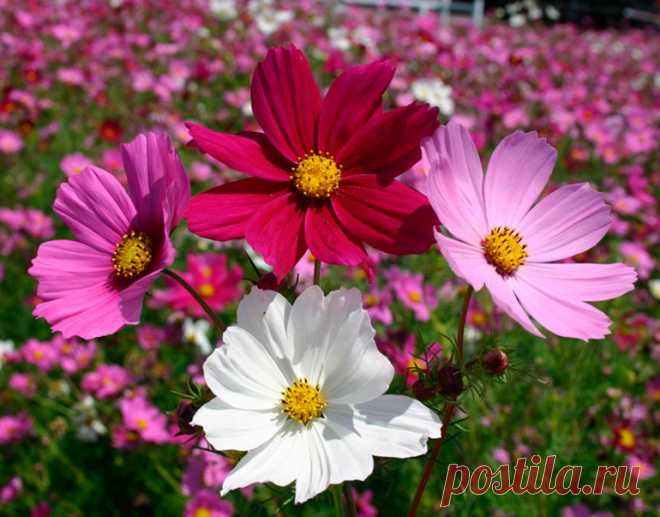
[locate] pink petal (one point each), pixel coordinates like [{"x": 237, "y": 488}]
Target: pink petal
[
  {"x": 517, "y": 172},
  {"x": 394, "y": 218},
  {"x": 454, "y": 186},
  {"x": 465, "y": 260},
  {"x": 157, "y": 181},
  {"x": 583, "y": 282},
  {"x": 352, "y": 99},
  {"x": 223, "y": 212},
  {"x": 248, "y": 152},
  {"x": 564, "y": 316},
  {"x": 76, "y": 284},
  {"x": 568, "y": 221},
  {"x": 96, "y": 208},
  {"x": 328, "y": 240},
  {"x": 389, "y": 143},
  {"x": 277, "y": 232},
  {"x": 286, "y": 101},
  {"x": 502, "y": 291}
]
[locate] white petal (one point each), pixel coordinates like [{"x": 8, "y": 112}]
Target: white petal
[
  {"x": 392, "y": 426},
  {"x": 243, "y": 374},
  {"x": 228, "y": 428},
  {"x": 314, "y": 322},
  {"x": 265, "y": 315},
  {"x": 279, "y": 460},
  {"x": 335, "y": 455}
]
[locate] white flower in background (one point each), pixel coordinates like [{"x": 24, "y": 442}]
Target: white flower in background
[
  {"x": 654, "y": 287},
  {"x": 197, "y": 333},
  {"x": 268, "y": 18},
  {"x": 517, "y": 20},
  {"x": 301, "y": 389},
  {"x": 338, "y": 37},
  {"x": 6, "y": 347},
  {"x": 85, "y": 418},
  {"x": 223, "y": 9},
  {"x": 434, "y": 92}
]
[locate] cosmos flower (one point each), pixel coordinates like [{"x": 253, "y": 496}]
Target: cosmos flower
[
  {"x": 301, "y": 389},
  {"x": 322, "y": 172},
  {"x": 95, "y": 285},
  {"x": 210, "y": 275},
  {"x": 509, "y": 244}
]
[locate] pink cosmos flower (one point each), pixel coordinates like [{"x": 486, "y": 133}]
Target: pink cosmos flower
[
  {"x": 95, "y": 285},
  {"x": 151, "y": 337},
  {"x": 377, "y": 303},
  {"x": 637, "y": 256},
  {"x": 322, "y": 172},
  {"x": 40, "y": 353},
  {"x": 10, "y": 142},
  {"x": 510, "y": 245},
  {"x": 363, "y": 503},
  {"x": 73, "y": 355},
  {"x": 106, "y": 381},
  {"x": 411, "y": 291},
  {"x": 206, "y": 503},
  {"x": 14, "y": 428},
  {"x": 211, "y": 277},
  {"x": 11, "y": 490},
  {"x": 74, "y": 163},
  {"x": 145, "y": 420},
  {"x": 23, "y": 384}
]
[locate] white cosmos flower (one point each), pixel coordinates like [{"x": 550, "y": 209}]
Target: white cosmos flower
[
  {"x": 196, "y": 332},
  {"x": 301, "y": 389},
  {"x": 434, "y": 92}
]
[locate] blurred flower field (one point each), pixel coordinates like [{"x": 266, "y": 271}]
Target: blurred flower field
[{"x": 99, "y": 427}]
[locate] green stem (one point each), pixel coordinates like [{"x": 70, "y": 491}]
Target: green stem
[
  {"x": 336, "y": 498},
  {"x": 209, "y": 312},
  {"x": 317, "y": 271},
  {"x": 448, "y": 412},
  {"x": 351, "y": 510}
]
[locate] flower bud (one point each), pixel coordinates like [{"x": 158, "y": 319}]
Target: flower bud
[
  {"x": 450, "y": 381},
  {"x": 495, "y": 361},
  {"x": 268, "y": 282},
  {"x": 423, "y": 391},
  {"x": 184, "y": 414}
]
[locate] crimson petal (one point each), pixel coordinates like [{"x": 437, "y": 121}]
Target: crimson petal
[
  {"x": 286, "y": 101},
  {"x": 352, "y": 99},
  {"x": 249, "y": 152},
  {"x": 394, "y": 218},
  {"x": 223, "y": 212},
  {"x": 277, "y": 232},
  {"x": 389, "y": 144}
]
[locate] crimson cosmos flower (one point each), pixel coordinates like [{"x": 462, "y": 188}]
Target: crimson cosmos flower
[{"x": 322, "y": 172}]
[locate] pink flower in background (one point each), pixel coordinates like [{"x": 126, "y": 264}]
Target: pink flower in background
[
  {"x": 11, "y": 490},
  {"x": 206, "y": 503},
  {"x": 23, "y": 384},
  {"x": 14, "y": 428},
  {"x": 106, "y": 381},
  {"x": 638, "y": 257},
  {"x": 74, "y": 355},
  {"x": 646, "y": 469},
  {"x": 151, "y": 337},
  {"x": 41, "y": 354},
  {"x": 377, "y": 304},
  {"x": 95, "y": 285},
  {"x": 363, "y": 503},
  {"x": 73, "y": 164},
  {"x": 10, "y": 142},
  {"x": 412, "y": 293},
  {"x": 511, "y": 245},
  {"x": 144, "y": 419},
  {"x": 210, "y": 275}
]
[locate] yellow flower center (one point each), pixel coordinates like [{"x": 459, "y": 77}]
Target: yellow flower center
[
  {"x": 317, "y": 175},
  {"x": 132, "y": 255},
  {"x": 202, "y": 512},
  {"x": 302, "y": 402},
  {"x": 503, "y": 250},
  {"x": 415, "y": 296},
  {"x": 206, "y": 290},
  {"x": 626, "y": 438},
  {"x": 371, "y": 300},
  {"x": 142, "y": 423}
]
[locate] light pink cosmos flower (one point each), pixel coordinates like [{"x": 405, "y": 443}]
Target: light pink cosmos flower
[
  {"x": 95, "y": 285},
  {"x": 106, "y": 381},
  {"x": 10, "y": 142},
  {"x": 207, "y": 503},
  {"x": 143, "y": 419},
  {"x": 74, "y": 163},
  {"x": 509, "y": 244},
  {"x": 412, "y": 293},
  {"x": 14, "y": 428}
]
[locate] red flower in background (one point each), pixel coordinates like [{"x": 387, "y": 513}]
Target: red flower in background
[{"x": 322, "y": 172}]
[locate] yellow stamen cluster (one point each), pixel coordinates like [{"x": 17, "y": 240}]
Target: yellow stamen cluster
[
  {"x": 415, "y": 296},
  {"x": 316, "y": 175},
  {"x": 206, "y": 290},
  {"x": 302, "y": 402},
  {"x": 132, "y": 255},
  {"x": 503, "y": 250}
]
